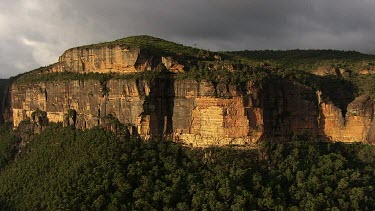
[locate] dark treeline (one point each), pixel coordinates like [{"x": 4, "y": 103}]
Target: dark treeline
[
  {"x": 3, "y": 87},
  {"x": 67, "y": 169}
]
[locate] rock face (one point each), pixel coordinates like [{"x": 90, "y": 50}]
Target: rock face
[
  {"x": 121, "y": 59},
  {"x": 355, "y": 126},
  {"x": 198, "y": 114},
  {"x": 369, "y": 70},
  {"x": 187, "y": 111},
  {"x": 324, "y": 70},
  {"x": 290, "y": 108}
]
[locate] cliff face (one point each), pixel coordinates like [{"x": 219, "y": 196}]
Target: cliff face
[
  {"x": 199, "y": 114},
  {"x": 185, "y": 110},
  {"x": 112, "y": 59},
  {"x": 354, "y": 126}
]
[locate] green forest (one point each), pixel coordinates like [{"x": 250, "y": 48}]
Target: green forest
[{"x": 70, "y": 169}]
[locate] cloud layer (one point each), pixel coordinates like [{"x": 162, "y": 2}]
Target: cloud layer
[{"x": 34, "y": 33}]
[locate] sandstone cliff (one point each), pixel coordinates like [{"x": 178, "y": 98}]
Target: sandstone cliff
[
  {"x": 186, "y": 110},
  {"x": 192, "y": 113},
  {"x": 112, "y": 59},
  {"x": 128, "y": 55},
  {"x": 197, "y": 113}
]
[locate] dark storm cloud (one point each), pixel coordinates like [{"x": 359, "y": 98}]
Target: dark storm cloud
[{"x": 36, "y": 32}]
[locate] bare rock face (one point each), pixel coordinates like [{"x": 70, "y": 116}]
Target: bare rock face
[
  {"x": 212, "y": 120},
  {"x": 112, "y": 59},
  {"x": 369, "y": 70},
  {"x": 172, "y": 65},
  {"x": 187, "y": 111},
  {"x": 354, "y": 126},
  {"x": 327, "y": 70},
  {"x": 197, "y": 114},
  {"x": 290, "y": 108}
]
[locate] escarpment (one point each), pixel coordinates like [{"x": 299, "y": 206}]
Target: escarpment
[
  {"x": 182, "y": 103},
  {"x": 186, "y": 110},
  {"x": 190, "y": 112}
]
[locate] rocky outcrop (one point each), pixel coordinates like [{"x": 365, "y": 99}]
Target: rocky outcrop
[
  {"x": 353, "y": 126},
  {"x": 114, "y": 58},
  {"x": 369, "y": 70},
  {"x": 329, "y": 70}
]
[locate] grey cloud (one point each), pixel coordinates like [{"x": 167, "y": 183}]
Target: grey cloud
[{"x": 38, "y": 31}]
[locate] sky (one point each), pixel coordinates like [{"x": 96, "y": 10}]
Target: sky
[{"x": 34, "y": 33}]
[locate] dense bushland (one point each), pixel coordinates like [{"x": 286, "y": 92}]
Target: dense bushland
[{"x": 67, "y": 169}]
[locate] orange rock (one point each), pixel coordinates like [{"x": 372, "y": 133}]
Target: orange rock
[
  {"x": 195, "y": 113},
  {"x": 111, "y": 59}
]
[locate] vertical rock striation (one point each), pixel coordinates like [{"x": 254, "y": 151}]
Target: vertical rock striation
[
  {"x": 199, "y": 114},
  {"x": 353, "y": 126},
  {"x": 122, "y": 59}
]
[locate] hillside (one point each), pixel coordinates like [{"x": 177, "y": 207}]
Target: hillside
[{"x": 66, "y": 169}]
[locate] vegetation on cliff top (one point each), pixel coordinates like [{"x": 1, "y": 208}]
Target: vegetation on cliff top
[
  {"x": 66, "y": 169},
  {"x": 307, "y": 60},
  {"x": 155, "y": 46}
]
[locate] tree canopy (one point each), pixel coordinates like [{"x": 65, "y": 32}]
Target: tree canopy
[{"x": 68, "y": 169}]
